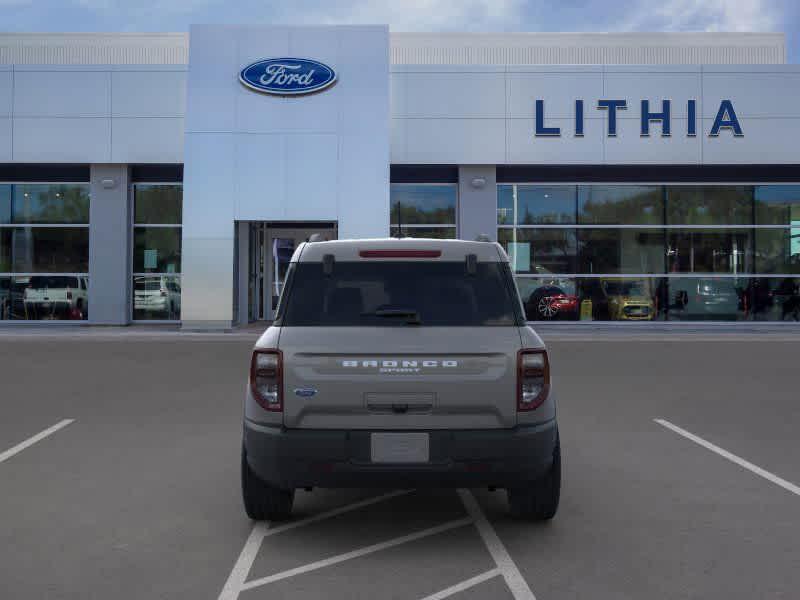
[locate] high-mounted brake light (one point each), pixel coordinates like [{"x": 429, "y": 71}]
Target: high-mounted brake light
[
  {"x": 266, "y": 379},
  {"x": 533, "y": 379},
  {"x": 400, "y": 253}
]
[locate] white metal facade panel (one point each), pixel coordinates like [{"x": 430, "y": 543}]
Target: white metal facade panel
[
  {"x": 635, "y": 86},
  {"x": 311, "y": 177},
  {"x": 521, "y": 148},
  {"x": 455, "y": 141},
  {"x": 559, "y": 90},
  {"x": 587, "y": 48},
  {"x": 764, "y": 98},
  {"x": 5, "y": 139},
  {"x": 52, "y": 139},
  {"x": 93, "y": 113},
  {"x": 472, "y": 95},
  {"x": 148, "y": 93},
  {"x": 765, "y": 141},
  {"x": 210, "y": 212},
  {"x": 757, "y": 94},
  {"x": 6, "y": 94},
  {"x": 426, "y": 48},
  {"x": 147, "y": 140},
  {"x": 629, "y": 148},
  {"x": 94, "y": 48},
  {"x": 62, "y": 93},
  {"x": 264, "y": 154},
  {"x": 321, "y": 144}
]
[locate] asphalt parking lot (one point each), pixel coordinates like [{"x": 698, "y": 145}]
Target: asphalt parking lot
[{"x": 134, "y": 493}]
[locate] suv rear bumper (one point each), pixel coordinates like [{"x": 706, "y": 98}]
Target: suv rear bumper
[{"x": 293, "y": 458}]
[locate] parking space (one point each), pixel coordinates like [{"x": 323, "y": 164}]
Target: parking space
[{"x": 138, "y": 497}]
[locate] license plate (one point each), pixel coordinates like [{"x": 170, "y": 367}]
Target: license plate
[{"x": 400, "y": 447}]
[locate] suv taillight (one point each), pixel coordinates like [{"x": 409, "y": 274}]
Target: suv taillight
[
  {"x": 266, "y": 379},
  {"x": 533, "y": 378}
]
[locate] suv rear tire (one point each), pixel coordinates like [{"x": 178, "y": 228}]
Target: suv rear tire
[
  {"x": 538, "y": 501},
  {"x": 263, "y": 501}
]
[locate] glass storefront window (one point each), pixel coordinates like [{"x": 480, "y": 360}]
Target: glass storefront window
[
  {"x": 620, "y": 251},
  {"x": 43, "y": 263},
  {"x": 157, "y": 250},
  {"x": 708, "y": 299},
  {"x": 5, "y": 203},
  {"x": 710, "y": 251},
  {"x": 718, "y": 252},
  {"x": 44, "y": 297},
  {"x": 709, "y": 205},
  {"x": 536, "y": 205},
  {"x": 778, "y": 205},
  {"x": 44, "y": 204},
  {"x": 774, "y": 299},
  {"x": 778, "y": 250},
  {"x": 44, "y": 250},
  {"x": 620, "y": 204},
  {"x": 549, "y": 298},
  {"x": 157, "y": 214},
  {"x": 432, "y": 205},
  {"x": 158, "y": 204},
  {"x": 593, "y": 299},
  {"x": 423, "y": 204},
  {"x": 623, "y": 298},
  {"x": 628, "y": 299},
  {"x": 156, "y": 297},
  {"x": 540, "y": 251},
  {"x": 439, "y": 233}
]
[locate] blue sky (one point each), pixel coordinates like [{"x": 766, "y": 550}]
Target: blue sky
[{"x": 414, "y": 15}]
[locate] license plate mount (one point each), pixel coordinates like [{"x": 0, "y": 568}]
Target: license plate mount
[{"x": 400, "y": 447}]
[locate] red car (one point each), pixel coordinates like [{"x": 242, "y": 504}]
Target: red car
[{"x": 550, "y": 302}]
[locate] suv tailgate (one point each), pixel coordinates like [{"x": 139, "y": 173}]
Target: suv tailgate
[{"x": 400, "y": 377}]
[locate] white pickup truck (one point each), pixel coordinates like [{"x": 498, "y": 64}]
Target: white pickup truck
[{"x": 56, "y": 297}]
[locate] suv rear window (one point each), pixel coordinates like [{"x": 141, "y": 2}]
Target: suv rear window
[{"x": 399, "y": 293}]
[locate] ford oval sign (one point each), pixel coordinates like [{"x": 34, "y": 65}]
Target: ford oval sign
[{"x": 287, "y": 76}]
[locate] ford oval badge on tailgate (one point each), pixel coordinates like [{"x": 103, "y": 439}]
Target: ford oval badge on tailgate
[
  {"x": 305, "y": 392},
  {"x": 287, "y": 76}
]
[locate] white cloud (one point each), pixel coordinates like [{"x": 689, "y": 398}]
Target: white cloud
[
  {"x": 705, "y": 15},
  {"x": 417, "y": 15}
]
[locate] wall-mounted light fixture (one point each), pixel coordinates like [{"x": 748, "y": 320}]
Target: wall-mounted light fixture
[
  {"x": 109, "y": 183},
  {"x": 478, "y": 182}
]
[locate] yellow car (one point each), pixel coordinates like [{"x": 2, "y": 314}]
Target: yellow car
[{"x": 628, "y": 299}]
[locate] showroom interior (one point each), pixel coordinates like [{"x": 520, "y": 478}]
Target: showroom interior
[{"x": 137, "y": 195}]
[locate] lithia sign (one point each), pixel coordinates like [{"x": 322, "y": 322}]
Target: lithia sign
[{"x": 725, "y": 120}]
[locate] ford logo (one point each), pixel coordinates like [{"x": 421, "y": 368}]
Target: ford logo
[
  {"x": 305, "y": 392},
  {"x": 287, "y": 76}
]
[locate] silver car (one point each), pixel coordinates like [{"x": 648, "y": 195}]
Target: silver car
[{"x": 400, "y": 363}]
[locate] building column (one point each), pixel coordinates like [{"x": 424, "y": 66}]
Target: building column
[
  {"x": 243, "y": 239},
  {"x": 477, "y": 202},
  {"x": 109, "y": 245}
]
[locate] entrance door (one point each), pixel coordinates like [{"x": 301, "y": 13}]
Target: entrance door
[{"x": 272, "y": 246}]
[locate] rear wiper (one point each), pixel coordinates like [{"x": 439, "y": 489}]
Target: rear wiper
[{"x": 412, "y": 316}]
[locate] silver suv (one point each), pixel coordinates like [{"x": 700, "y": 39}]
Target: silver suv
[{"x": 400, "y": 363}]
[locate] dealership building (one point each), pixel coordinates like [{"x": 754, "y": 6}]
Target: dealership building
[{"x": 169, "y": 177}]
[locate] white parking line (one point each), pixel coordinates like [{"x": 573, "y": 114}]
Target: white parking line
[
  {"x": 241, "y": 569},
  {"x": 505, "y": 564},
  {"x": 788, "y": 486},
  {"x": 357, "y": 553},
  {"x": 33, "y": 439},
  {"x": 464, "y": 585}
]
